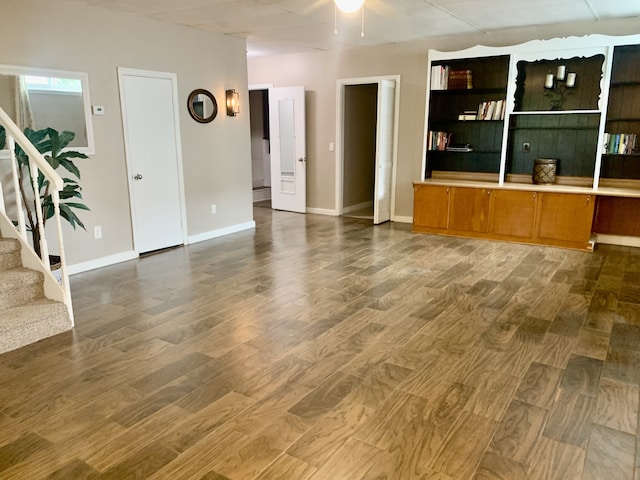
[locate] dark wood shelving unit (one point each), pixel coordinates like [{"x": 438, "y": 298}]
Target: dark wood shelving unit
[
  {"x": 623, "y": 113},
  {"x": 485, "y": 136}
]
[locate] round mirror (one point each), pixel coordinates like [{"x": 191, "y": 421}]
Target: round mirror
[{"x": 202, "y": 105}]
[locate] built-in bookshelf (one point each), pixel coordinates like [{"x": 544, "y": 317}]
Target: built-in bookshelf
[
  {"x": 466, "y": 109},
  {"x": 621, "y": 150}
]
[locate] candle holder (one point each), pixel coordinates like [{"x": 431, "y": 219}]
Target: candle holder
[{"x": 556, "y": 88}]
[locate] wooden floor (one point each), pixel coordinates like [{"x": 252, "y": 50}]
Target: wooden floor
[{"x": 325, "y": 348}]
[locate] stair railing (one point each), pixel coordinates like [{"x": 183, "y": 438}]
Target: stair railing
[{"x": 37, "y": 164}]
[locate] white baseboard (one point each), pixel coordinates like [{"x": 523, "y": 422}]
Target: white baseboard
[
  {"x": 101, "y": 262},
  {"x": 359, "y": 206},
  {"x": 618, "y": 240},
  {"x": 322, "y": 211},
  {"x": 402, "y": 219},
  {"x": 220, "y": 232},
  {"x": 262, "y": 194}
]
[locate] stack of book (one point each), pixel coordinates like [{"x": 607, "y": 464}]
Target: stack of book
[
  {"x": 438, "y": 140},
  {"x": 468, "y": 115},
  {"x": 460, "y": 80},
  {"x": 439, "y": 77},
  {"x": 491, "y": 110},
  {"x": 621, "y": 143},
  {"x": 444, "y": 78},
  {"x": 460, "y": 147}
]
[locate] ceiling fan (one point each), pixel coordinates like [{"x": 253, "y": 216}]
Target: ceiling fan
[{"x": 349, "y": 7}]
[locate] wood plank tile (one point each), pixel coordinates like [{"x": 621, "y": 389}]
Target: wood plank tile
[
  {"x": 622, "y": 365},
  {"x": 170, "y": 372},
  {"x": 570, "y": 418},
  {"x": 390, "y": 418},
  {"x": 286, "y": 466},
  {"x": 21, "y": 449},
  {"x": 610, "y": 455},
  {"x": 518, "y": 432},
  {"x": 554, "y": 460},
  {"x": 77, "y": 470},
  {"x": 352, "y": 460},
  {"x": 617, "y": 406},
  {"x": 324, "y": 398},
  {"x": 491, "y": 395},
  {"x": 582, "y": 375},
  {"x": 183, "y": 434},
  {"x": 464, "y": 446},
  {"x": 495, "y": 467},
  {"x": 141, "y": 464},
  {"x": 538, "y": 387},
  {"x": 318, "y": 443},
  {"x": 378, "y": 385}
]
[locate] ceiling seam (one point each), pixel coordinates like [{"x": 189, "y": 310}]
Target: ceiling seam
[
  {"x": 592, "y": 8},
  {"x": 458, "y": 17}
]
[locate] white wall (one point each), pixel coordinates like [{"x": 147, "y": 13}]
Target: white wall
[
  {"x": 216, "y": 156},
  {"x": 319, "y": 71}
]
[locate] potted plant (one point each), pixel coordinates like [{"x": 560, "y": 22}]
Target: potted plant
[{"x": 51, "y": 145}]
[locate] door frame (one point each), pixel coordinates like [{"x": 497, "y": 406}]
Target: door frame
[
  {"x": 122, "y": 72},
  {"x": 340, "y": 94}
]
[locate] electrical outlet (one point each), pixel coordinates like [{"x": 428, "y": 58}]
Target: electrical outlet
[
  {"x": 97, "y": 232},
  {"x": 526, "y": 147},
  {"x": 213, "y": 209}
]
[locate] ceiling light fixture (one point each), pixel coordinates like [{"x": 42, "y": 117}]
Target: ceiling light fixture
[{"x": 348, "y": 6}]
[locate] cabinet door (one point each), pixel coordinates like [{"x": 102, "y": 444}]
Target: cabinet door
[
  {"x": 565, "y": 218},
  {"x": 431, "y": 206},
  {"x": 618, "y": 216},
  {"x": 469, "y": 209},
  {"x": 513, "y": 213}
]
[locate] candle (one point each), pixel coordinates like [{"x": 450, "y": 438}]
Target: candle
[
  {"x": 562, "y": 70},
  {"x": 548, "y": 80},
  {"x": 571, "y": 80}
]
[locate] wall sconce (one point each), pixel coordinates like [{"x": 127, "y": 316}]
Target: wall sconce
[
  {"x": 233, "y": 103},
  {"x": 556, "y": 88}
]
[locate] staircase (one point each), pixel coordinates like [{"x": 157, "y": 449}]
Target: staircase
[{"x": 26, "y": 315}]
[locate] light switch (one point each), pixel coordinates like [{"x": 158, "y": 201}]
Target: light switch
[{"x": 97, "y": 109}]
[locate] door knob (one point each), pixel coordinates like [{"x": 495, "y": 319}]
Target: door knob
[
  {"x": 301, "y": 159},
  {"x": 137, "y": 176}
]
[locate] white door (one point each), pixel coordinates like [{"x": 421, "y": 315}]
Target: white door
[
  {"x": 288, "y": 149},
  {"x": 384, "y": 152},
  {"x": 152, "y": 145}
]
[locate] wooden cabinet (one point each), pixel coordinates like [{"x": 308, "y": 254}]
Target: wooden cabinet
[
  {"x": 431, "y": 207},
  {"x": 527, "y": 216},
  {"x": 513, "y": 213},
  {"x": 565, "y": 219},
  {"x": 469, "y": 209},
  {"x": 618, "y": 216}
]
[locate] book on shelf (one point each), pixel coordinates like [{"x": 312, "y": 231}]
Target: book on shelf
[
  {"x": 445, "y": 78},
  {"x": 460, "y": 80},
  {"x": 491, "y": 110},
  {"x": 438, "y": 140},
  {"x": 460, "y": 147},
  {"x": 439, "y": 77},
  {"x": 621, "y": 143},
  {"x": 468, "y": 116}
]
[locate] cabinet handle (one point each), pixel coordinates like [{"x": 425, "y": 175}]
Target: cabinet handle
[
  {"x": 488, "y": 192},
  {"x": 535, "y": 195},
  {"x": 447, "y": 189},
  {"x": 588, "y": 199}
]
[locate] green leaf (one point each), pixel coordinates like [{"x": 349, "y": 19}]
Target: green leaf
[
  {"x": 69, "y": 165},
  {"x": 81, "y": 206}
]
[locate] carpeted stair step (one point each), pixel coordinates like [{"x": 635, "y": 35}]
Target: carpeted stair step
[
  {"x": 25, "y": 324},
  {"x": 19, "y": 286},
  {"x": 9, "y": 253}
]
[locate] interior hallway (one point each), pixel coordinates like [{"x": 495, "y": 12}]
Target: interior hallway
[{"x": 322, "y": 347}]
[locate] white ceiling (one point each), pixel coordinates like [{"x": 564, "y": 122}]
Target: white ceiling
[{"x": 283, "y": 26}]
